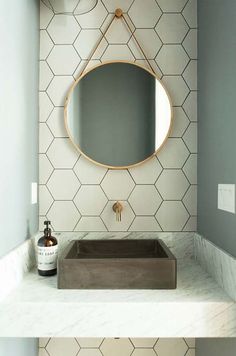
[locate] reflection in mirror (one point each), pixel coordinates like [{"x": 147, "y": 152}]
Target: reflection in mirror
[{"x": 118, "y": 114}]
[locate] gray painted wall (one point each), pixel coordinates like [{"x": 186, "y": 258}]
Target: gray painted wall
[
  {"x": 217, "y": 118},
  {"x": 18, "y": 120},
  {"x": 216, "y": 347},
  {"x": 18, "y": 347}
]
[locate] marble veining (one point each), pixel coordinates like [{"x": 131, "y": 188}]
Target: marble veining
[
  {"x": 219, "y": 264},
  {"x": 15, "y": 265},
  {"x": 198, "y": 307},
  {"x": 180, "y": 243}
]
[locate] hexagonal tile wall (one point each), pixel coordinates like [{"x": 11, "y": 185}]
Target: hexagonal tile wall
[
  {"x": 63, "y": 184},
  {"x": 118, "y": 33},
  {"x": 63, "y": 7},
  {"x": 63, "y": 29},
  {"x": 190, "y": 106},
  {"x": 172, "y": 28},
  {"x": 64, "y": 215},
  {"x": 112, "y": 5},
  {"x": 172, "y": 5},
  {"x": 109, "y": 218},
  {"x": 144, "y": 14},
  {"x": 166, "y": 29},
  {"x": 46, "y": 45},
  {"x": 180, "y": 122},
  {"x": 90, "y": 352},
  {"x": 143, "y": 342},
  {"x": 172, "y": 184},
  {"x": 190, "y": 13},
  {"x": 147, "y": 206},
  {"x": 63, "y": 60},
  {"x": 45, "y": 15},
  {"x": 190, "y": 200},
  {"x": 117, "y": 52},
  {"x": 86, "y": 342},
  {"x": 148, "y": 39},
  {"x": 45, "y": 200},
  {"x": 62, "y": 154},
  {"x": 169, "y": 347},
  {"x": 147, "y": 173},
  {"x": 45, "y": 138},
  {"x": 87, "y": 41},
  {"x": 45, "y": 169},
  {"x": 116, "y": 347},
  {"x": 90, "y": 223},
  {"x": 94, "y": 18},
  {"x": 177, "y": 88},
  {"x": 172, "y": 59},
  {"x": 190, "y": 43},
  {"x": 62, "y": 347},
  {"x": 144, "y": 352},
  {"x": 145, "y": 223},
  {"x": 190, "y": 169},
  {"x": 90, "y": 200},
  {"x": 88, "y": 172},
  {"x": 56, "y": 123},
  {"x": 43, "y": 352},
  {"x": 172, "y": 216},
  {"x": 58, "y": 89},
  {"x": 45, "y": 75},
  {"x": 117, "y": 184},
  {"x": 45, "y": 106},
  {"x": 174, "y": 154}
]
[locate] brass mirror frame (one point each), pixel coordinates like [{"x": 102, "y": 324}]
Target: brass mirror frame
[{"x": 67, "y": 100}]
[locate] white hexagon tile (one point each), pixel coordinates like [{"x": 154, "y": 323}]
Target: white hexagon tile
[
  {"x": 56, "y": 122},
  {"x": 63, "y": 29},
  {"x": 88, "y": 172},
  {"x": 172, "y": 216},
  {"x": 45, "y": 106},
  {"x": 62, "y": 346},
  {"x": 63, "y": 60},
  {"x": 90, "y": 200},
  {"x": 172, "y": 28},
  {"x": 117, "y": 184},
  {"x": 116, "y": 347},
  {"x": 145, "y": 200},
  {"x": 94, "y": 18},
  {"x": 168, "y": 347},
  {"x": 180, "y": 122},
  {"x": 172, "y": 184},
  {"x": 159, "y": 195}
]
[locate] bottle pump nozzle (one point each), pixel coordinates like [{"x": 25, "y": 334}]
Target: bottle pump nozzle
[{"x": 47, "y": 230}]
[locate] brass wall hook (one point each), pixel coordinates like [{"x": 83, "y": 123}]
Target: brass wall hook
[
  {"x": 117, "y": 208},
  {"x": 118, "y": 13}
]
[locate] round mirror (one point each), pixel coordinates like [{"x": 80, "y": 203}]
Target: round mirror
[{"x": 118, "y": 114}]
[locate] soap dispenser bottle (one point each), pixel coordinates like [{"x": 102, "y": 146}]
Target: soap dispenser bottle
[{"x": 47, "y": 252}]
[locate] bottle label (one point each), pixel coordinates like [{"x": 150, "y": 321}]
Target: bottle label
[{"x": 47, "y": 258}]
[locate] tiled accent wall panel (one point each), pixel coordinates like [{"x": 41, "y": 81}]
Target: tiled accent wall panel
[
  {"x": 116, "y": 347},
  {"x": 159, "y": 195}
]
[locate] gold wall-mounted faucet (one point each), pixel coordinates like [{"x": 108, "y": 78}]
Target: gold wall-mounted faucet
[{"x": 117, "y": 208}]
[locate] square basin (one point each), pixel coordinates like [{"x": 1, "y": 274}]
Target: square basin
[{"x": 117, "y": 264}]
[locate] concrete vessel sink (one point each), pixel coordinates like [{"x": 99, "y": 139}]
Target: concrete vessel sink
[{"x": 117, "y": 264}]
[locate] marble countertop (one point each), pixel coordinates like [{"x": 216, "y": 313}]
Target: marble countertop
[{"x": 197, "y": 308}]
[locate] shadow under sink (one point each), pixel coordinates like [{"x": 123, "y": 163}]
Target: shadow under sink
[{"x": 117, "y": 264}]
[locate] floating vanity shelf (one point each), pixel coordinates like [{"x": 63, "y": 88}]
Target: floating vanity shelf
[{"x": 117, "y": 264}]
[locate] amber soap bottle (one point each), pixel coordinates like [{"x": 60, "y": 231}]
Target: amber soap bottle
[{"x": 47, "y": 251}]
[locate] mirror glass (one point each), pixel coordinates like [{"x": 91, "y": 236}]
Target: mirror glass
[{"x": 118, "y": 114}]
